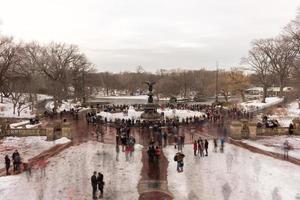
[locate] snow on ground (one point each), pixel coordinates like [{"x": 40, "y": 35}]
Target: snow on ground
[
  {"x": 141, "y": 97},
  {"x": 66, "y": 105},
  {"x": 235, "y": 174},
  {"x": 28, "y": 147},
  {"x": 255, "y": 105},
  {"x": 42, "y": 97},
  {"x": 286, "y": 115},
  {"x": 6, "y": 110},
  {"x": 133, "y": 114},
  {"x": 275, "y": 144},
  {"x": 67, "y": 175},
  {"x": 22, "y": 123}
]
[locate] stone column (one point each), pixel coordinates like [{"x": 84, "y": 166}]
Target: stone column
[{"x": 235, "y": 130}]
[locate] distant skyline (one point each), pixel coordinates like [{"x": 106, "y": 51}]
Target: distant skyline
[{"x": 119, "y": 35}]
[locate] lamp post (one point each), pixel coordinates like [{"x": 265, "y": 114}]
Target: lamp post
[
  {"x": 83, "y": 86},
  {"x": 217, "y": 80}
]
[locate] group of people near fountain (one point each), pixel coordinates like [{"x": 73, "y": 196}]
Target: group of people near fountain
[
  {"x": 214, "y": 114},
  {"x": 126, "y": 140}
]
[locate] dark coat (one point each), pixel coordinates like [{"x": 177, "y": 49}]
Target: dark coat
[
  {"x": 94, "y": 181},
  {"x": 206, "y": 144},
  {"x": 7, "y": 161},
  {"x": 14, "y": 155},
  {"x": 100, "y": 180}
]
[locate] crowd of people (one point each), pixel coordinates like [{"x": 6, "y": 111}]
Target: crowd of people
[
  {"x": 125, "y": 140},
  {"x": 214, "y": 114}
]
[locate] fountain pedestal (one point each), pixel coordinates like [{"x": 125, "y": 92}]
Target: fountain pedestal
[
  {"x": 150, "y": 112},
  {"x": 150, "y": 109}
]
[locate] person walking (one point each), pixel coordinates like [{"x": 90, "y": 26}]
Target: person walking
[
  {"x": 157, "y": 152},
  {"x": 200, "y": 147},
  {"x": 286, "y": 148},
  {"x": 179, "y": 158},
  {"x": 94, "y": 184},
  {"x": 291, "y": 129},
  {"x": 222, "y": 145},
  {"x": 215, "y": 145},
  {"x": 195, "y": 148},
  {"x": 7, "y": 164},
  {"x": 14, "y": 159},
  {"x": 165, "y": 136},
  {"x": 100, "y": 184},
  {"x": 206, "y": 147}
]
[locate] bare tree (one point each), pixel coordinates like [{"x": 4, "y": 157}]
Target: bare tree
[
  {"x": 56, "y": 62},
  {"x": 7, "y": 59},
  {"x": 239, "y": 82},
  {"x": 282, "y": 54},
  {"x": 260, "y": 63}
]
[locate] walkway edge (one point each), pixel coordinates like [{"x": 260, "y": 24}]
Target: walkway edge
[
  {"x": 44, "y": 155},
  {"x": 263, "y": 152}
]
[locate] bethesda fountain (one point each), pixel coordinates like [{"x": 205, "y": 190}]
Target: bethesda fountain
[{"x": 150, "y": 109}]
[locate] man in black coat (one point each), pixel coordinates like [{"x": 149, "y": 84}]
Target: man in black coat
[
  {"x": 206, "y": 147},
  {"x": 100, "y": 183},
  {"x": 94, "y": 184},
  {"x": 15, "y": 155},
  {"x": 7, "y": 164}
]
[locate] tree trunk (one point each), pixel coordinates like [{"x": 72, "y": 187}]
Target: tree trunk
[
  {"x": 19, "y": 112},
  {"x": 14, "y": 108},
  {"x": 264, "y": 94},
  {"x": 226, "y": 97},
  {"x": 281, "y": 88},
  {"x": 243, "y": 95},
  {"x": 31, "y": 100}
]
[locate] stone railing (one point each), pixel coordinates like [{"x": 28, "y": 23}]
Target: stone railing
[
  {"x": 64, "y": 131},
  {"x": 237, "y": 130},
  {"x": 23, "y": 132}
]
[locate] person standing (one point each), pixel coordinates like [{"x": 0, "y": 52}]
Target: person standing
[
  {"x": 179, "y": 158},
  {"x": 222, "y": 145},
  {"x": 291, "y": 129},
  {"x": 206, "y": 147},
  {"x": 14, "y": 158},
  {"x": 7, "y": 164},
  {"x": 286, "y": 148},
  {"x": 165, "y": 135},
  {"x": 215, "y": 145},
  {"x": 195, "y": 148},
  {"x": 100, "y": 184},
  {"x": 94, "y": 184},
  {"x": 200, "y": 147}
]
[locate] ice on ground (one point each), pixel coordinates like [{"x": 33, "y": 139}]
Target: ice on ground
[
  {"x": 67, "y": 175},
  {"x": 275, "y": 144},
  {"x": 134, "y": 115},
  {"x": 255, "y": 105},
  {"x": 28, "y": 147},
  {"x": 235, "y": 174}
]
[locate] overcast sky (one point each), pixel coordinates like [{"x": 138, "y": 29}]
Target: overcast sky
[{"x": 119, "y": 35}]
